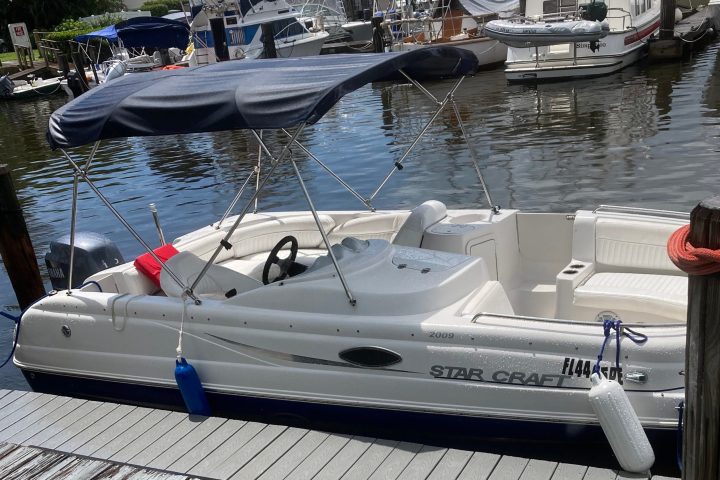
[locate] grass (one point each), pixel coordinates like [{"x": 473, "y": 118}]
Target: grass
[{"x": 4, "y": 57}]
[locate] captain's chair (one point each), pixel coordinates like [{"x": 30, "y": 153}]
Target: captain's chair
[
  {"x": 421, "y": 217},
  {"x": 218, "y": 281}
]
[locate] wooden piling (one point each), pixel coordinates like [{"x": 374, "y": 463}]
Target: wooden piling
[
  {"x": 667, "y": 19},
  {"x": 268, "y": 36},
  {"x": 378, "y": 40},
  {"x": 15, "y": 245},
  {"x": 702, "y": 361}
]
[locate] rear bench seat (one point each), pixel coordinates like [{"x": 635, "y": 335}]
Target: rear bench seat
[{"x": 620, "y": 264}]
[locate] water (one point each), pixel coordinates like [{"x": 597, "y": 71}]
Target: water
[{"x": 648, "y": 136}]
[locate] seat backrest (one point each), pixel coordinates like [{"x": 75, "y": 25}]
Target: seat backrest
[
  {"x": 626, "y": 243},
  {"x": 217, "y": 280},
  {"x": 421, "y": 217}
]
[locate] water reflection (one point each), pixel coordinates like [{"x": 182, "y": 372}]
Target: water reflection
[{"x": 647, "y": 136}]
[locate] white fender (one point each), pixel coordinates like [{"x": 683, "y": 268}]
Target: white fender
[{"x": 620, "y": 424}]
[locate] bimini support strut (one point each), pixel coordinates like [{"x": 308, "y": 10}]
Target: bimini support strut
[
  {"x": 324, "y": 235},
  {"x": 342, "y": 182},
  {"x": 237, "y": 197},
  {"x": 79, "y": 172},
  {"x": 398, "y": 164},
  {"x": 73, "y": 214},
  {"x": 225, "y": 242},
  {"x": 494, "y": 208}
]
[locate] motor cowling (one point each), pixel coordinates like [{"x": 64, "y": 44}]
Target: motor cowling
[
  {"x": 93, "y": 253},
  {"x": 6, "y": 86}
]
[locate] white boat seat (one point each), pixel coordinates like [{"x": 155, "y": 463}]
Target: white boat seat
[
  {"x": 657, "y": 295},
  {"x": 620, "y": 264},
  {"x": 421, "y": 218},
  {"x": 218, "y": 281}
]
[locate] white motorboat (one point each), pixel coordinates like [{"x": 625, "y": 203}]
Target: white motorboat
[
  {"x": 479, "y": 323},
  {"x": 630, "y": 24},
  {"x": 526, "y": 33},
  {"x": 22, "y": 89},
  {"x": 230, "y": 31}
]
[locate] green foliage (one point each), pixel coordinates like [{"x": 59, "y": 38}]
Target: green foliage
[
  {"x": 66, "y": 35},
  {"x": 101, "y": 21},
  {"x": 69, "y": 24},
  {"x": 156, "y": 8}
]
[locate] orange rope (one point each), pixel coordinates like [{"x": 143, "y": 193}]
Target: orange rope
[{"x": 691, "y": 260}]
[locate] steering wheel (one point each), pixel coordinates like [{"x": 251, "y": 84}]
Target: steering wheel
[{"x": 283, "y": 263}]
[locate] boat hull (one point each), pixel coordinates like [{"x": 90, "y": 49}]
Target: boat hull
[
  {"x": 617, "y": 51},
  {"x": 489, "y": 52}
]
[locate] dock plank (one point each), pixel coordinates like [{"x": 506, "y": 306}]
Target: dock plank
[
  {"x": 292, "y": 458},
  {"x": 94, "y": 429},
  {"x": 226, "y": 449},
  {"x": 163, "y": 443},
  {"x": 74, "y": 468},
  {"x": 207, "y": 446},
  {"x": 52, "y": 438},
  {"x": 129, "y": 436},
  {"x": 345, "y": 458},
  {"x": 423, "y": 463},
  {"x": 44, "y": 412},
  {"x": 451, "y": 464},
  {"x": 146, "y": 439},
  {"x": 320, "y": 457},
  {"x": 12, "y": 397},
  {"x": 539, "y": 470},
  {"x": 396, "y": 462},
  {"x": 187, "y": 443},
  {"x": 256, "y": 445},
  {"x": 23, "y": 407},
  {"x": 371, "y": 459},
  {"x": 33, "y": 424},
  {"x": 268, "y": 456},
  {"x": 568, "y": 471},
  {"x": 509, "y": 468},
  {"x": 116, "y": 429},
  {"x": 24, "y": 462},
  {"x": 480, "y": 466},
  {"x": 594, "y": 473}
]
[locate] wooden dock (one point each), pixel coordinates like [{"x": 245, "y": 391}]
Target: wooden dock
[
  {"x": 51, "y": 437},
  {"x": 691, "y": 33}
]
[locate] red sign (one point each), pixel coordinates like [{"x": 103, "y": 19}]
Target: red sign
[{"x": 19, "y": 31}]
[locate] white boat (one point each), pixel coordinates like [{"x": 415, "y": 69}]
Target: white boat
[
  {"x": 22, "y": 89},
  {"x": 477, "y": 323},
  {"x": 231, "y": 31},
  {"x": 332, "y": 17},
  {"x": 457, "y": 23},
  {"x": 631, "y": 23},
  {"x": 524, "y": 33}
]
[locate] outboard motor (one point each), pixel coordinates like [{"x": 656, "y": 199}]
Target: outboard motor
[
  {"x": 6, "y": 86},
  {"x": 93, "y": 252},
  {"x": 595, "y": 11},
  {"x": 75, "y": 84}
]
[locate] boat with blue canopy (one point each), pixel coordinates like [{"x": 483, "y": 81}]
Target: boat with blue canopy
[{"x": 477, "y": 323}]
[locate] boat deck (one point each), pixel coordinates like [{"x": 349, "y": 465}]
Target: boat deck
[{"x": 52, "y": 437}]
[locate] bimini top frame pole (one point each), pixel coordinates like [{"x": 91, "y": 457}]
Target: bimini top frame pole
[{"x": 83, "y": 173}]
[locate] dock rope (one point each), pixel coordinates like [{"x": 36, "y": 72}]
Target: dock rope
[
  {"x": 620, "y": 331},
  {"x": 689, "y": 259}
]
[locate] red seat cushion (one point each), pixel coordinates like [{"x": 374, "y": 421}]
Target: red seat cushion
[{"x": 149, "y": 267}]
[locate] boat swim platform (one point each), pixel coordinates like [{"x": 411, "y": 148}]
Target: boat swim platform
[{"x": 54, "y": 437}]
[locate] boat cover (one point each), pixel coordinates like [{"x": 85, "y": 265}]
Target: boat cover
[
  {"x": 487, "y": 7},
  {"x": 141, "y": 32},
  {"x": 239, "y": 94}
]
